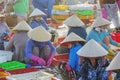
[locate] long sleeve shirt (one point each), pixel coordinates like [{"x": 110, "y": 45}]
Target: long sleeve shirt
[
  {"x": 44, "y": 5},
  {"x": 30, "y": 44},
  {"x": 99, "y": 37},
  {"x": 35, "y": 23}
]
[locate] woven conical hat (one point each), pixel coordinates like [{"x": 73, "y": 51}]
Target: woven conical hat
[
  {"x": 2, "y": 15},
  {"x": 100, "y": 22},
  {"x": 39, "y": 34},
  {"x": 37, "y": 12},
  {"x": 114, "y": 65},
  {"x": 73, "y": 21},
  {"x": 72, "y": 37},
  {"x": 92, "y": 49},
  {"x": 22, "y": 26}
]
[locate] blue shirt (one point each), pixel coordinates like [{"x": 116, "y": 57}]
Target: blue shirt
[
  {"x": 74, "y": 58},
  {"x": 99, "y": 37},
  {"x": 35, "y": 23},
  {"x": 44, "y": 5},
  {"x": 30, "y": 44}
]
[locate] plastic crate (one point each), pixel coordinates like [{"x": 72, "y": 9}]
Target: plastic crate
[
  {"x": 8, "y": 54},
  {"x": 3, "y": 75},
  {"x": 3, "y": 59},
  {"x": 12, "y": 65},
  {"x": 60, "y": 16},
  {"x": 31, "y": 76},
  {"x": 115, "y": 36},
  {"x": 21, "y": 71},
  {"x": 86, "y": 17},
  {"x": 58, "y": 58}
]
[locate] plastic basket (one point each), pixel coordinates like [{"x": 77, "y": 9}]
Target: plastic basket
[
  {"x": 3, "y": 59},
  {"x": 21, "y": 71},
  {"x": 116, "y": 37},
  {"x": 60, "y": 16},
  {"x": 58, "y": 58},
  {"x": 3, "y": 75},
  {"x": 8, "y": 54},
  {"x": 31, "y": 76},
  {"x": 86, "y": 17},
  {"x": 12, "y": 65}
]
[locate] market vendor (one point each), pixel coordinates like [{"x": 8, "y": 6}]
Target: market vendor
[
  {"x": 114, "y": 67},
  {"x": 39, "y": 48},
  {"x": 74, "y": 43},
  {"x": 45, "y": 6},
  {"x": 100, "y": 34},
  {"x": 18, "y": 41},
  {"x": 93, "y": 62},
  {"x": 37, "y": 20},
  {"x": 4, "y": 30},
  {"x": 111, "y": 8},
  {"x": 76, "y": 25}
]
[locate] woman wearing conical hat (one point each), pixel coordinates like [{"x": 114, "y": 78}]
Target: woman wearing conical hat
[
  {"x": 74, "y": 43},
  {"x": 39, "y": 48},
  {"x": 37, "y": 20},
  {"x": 18, "y": 41},
  {"x": 114, "y": 67},
  {"x": 100, "y": 34},
  {"x": 76, "y": 25},
  {"x": 93, "y": 62}
]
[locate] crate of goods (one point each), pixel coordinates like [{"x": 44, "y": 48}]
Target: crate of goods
[
  {"x": 12, "y": 65},
  {"x": 60, "y": 16},
  {"x": 8, "y": 54},
  {"x": 39, "y": 75},
  {"x": 3, "y": 75},
  {"x": 23, "y": 70},
  {"x": 86, "y": 17},
  {"x": 60, "y": 58}
]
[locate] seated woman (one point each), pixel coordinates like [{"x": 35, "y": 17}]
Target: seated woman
[
  {"x": 37, "y": 20},
  {"x": 74, "y": 42},
  {"x": 94, "y": 62},
  {"x": 39, "y": 48},
  {"x": 18, "y": 41},
  {"x": 100, "y": 34},
  {"x": 114, "y": 67}
]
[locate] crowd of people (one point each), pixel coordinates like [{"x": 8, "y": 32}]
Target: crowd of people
[{"x": 90, "y": 54}]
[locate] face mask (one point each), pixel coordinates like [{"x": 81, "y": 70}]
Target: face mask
[{"x": 97, "y": 29}]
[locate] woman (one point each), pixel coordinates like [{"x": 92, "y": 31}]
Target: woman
[
  {"x": 100, "y": 34},
  {"x": 18, "y": 41},
  {"x": 114, "y": 67},
  {"x": 39, "y": 48},
  {"x": 37, "y": 20},
  {"x": 4, "y": 30},
  {"x": 45, "y": 6},
  {"x": 74, "y": 43},
  {"x": 93, "y": 63}
]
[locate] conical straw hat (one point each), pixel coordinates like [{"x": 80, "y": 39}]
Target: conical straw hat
[
  {"x": 2, "y": 15},
  {"x": 92, "y": 49},
  {"x": 22, "y": 26},
  {"x": 114, "y": 65},
  {"x": 73, "y": 21},
  {"x": 39, "y": 34},
  {"x": 72, "y": 37},
  {"x": 100, "y": 22},
  {"x": 37, "y": 12}
]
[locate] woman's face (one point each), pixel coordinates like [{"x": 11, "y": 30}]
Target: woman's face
[
  {"x": 104, "y": 27},
  {"x": 37, "y": 18}
]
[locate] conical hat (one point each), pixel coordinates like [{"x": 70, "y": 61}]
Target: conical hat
[
  {"x": 22, "y": 26},
  {"x": 39, "y": 34},
  {"x": 92, "y": 49},
  {"x": 114, "y": 63},
  {"x": 37, "y": 12},
  {"x": 73, "y": 21},
  {"x": 72, "y": 37},
  {"x": 100, "y": 22}
]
